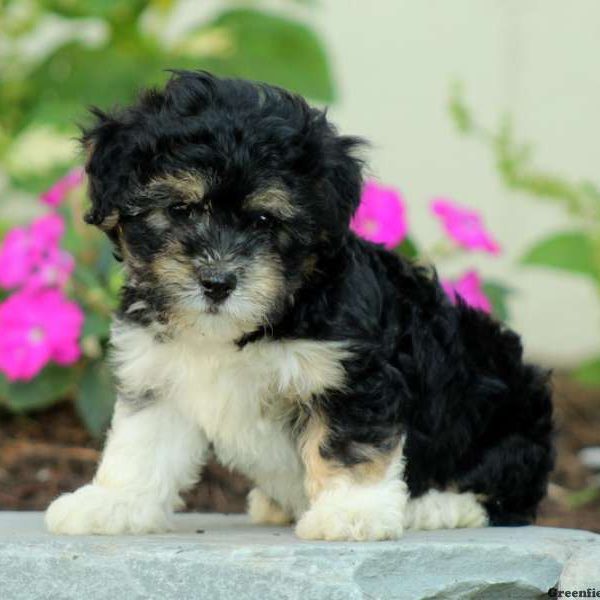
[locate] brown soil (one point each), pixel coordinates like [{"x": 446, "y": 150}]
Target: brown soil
[
  {"x": 577, "y": 412},
  {"x": 48, "y": 453}
]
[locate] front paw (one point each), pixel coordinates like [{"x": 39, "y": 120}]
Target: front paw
[
  {"x": 93, "y": 509},
  {"x": 355, "y": 514}
]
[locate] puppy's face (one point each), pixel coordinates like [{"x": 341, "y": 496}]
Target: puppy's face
[
  {"x": 221, "y": 219},
  {"x": 230, "y": 255}
]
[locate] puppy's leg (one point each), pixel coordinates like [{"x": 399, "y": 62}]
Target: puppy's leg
[
  {"x": 360, "y": 501},
  {"x": 151, "y": 454},
  {"x": 266, "y": 511}
]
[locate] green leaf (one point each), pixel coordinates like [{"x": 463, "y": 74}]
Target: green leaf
[
  {"x": 588, "y": 373},
  {"x": 71, "y": 240},
  {"x": 116, "y": 279},
  {"x": 497, "y": 294},
  {"x": 582, "y": 497},
  {"x": 87, "y": 276},
  {"x": 274, "y": 49},
  {"x": 3, "y": 388},
  {"x": 55, "y": 93},
  {"x": 459, "y": 111},
  {"x": 106, "y": 261},
  {"x": 591, "y": 190},
  {"x": 569, "y": 251},
  {"x": 50, "y": 386},
  {"x": 60, "y": 88},
  {"x": 119, "y": 11},
  {"x": 96, "y": 324},
  {"x": 407, "y": 248},
  {"x": 36, "y": 182},
  {"x": 4, "y": 228},
  {"x": 96, "y": 397}
]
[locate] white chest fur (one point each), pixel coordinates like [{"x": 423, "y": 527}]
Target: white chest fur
[{"x": 240, "y": 399}]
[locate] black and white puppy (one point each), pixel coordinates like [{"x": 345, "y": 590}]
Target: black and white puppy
[{"x": 254, "y": 324}]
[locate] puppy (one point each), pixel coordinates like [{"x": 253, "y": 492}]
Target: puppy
[{"x": 255, "y": 325}]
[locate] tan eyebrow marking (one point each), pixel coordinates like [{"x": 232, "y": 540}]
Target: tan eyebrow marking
[
  {"x": 274, "y": 200},
  {"x": 189, "y": 187}
]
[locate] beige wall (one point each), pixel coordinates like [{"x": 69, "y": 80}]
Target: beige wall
[{"x": 394, "y": 60}]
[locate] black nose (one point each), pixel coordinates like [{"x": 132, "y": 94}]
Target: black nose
[{"x": 217, "y": 286}]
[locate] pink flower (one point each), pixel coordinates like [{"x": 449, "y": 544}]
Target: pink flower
[
  {"x": 464, "y": 226},
  {"x": 469, "y": 288},
  {"x": 18, "y": 255},
  {"x": 56, "y": 194},
  {"x": 48, "y": 230},
  {"x": 381, "y": 216},
  {"x": 24, "y": 249},
  {"x": 38, "y": 327},
  {"x": 53, "y": 271}
]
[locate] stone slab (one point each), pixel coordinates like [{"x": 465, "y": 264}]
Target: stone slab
[{"x": 213, "y": 556}]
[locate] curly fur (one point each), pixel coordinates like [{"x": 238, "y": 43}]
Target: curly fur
[{"x": 335, "y": 374}]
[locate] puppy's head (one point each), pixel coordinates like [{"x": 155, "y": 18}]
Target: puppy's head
[{"x": 222, "y": 197}]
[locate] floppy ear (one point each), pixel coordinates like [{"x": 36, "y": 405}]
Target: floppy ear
[
  {"x": 104, "y": 170},
  {"x": 344, "y": 178}
]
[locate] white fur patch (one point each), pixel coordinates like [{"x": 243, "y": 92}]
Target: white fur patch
[
  {"x": 151, "y": 455},
  {"x": 445, "y": 510},
  {"x": 262, "y": 510},
  {"x": 94, "y": 509},
  {"x": 346, "y": 510},
  {"x": 203, "y": 390}
]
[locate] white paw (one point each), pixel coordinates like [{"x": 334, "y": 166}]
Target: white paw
[
  {"x": 445, "y": 510},
  {"x": 263, "y": 510},
  {"x": 93, "y": 509},
  {"x": 473, "y": 515},
  {"x": 356, "y": 514}
]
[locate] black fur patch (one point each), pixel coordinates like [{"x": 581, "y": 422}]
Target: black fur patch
[{"x": 476, "y": 417}]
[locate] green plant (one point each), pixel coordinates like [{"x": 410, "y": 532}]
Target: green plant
[
  {"x": 575, "y": 250},
  {"x": 101, "y": 52}
]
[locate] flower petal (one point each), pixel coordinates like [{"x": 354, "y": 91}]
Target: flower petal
[
  {"x": 464, "y": 226},
  {"x": 37, "y": 326},
  {"x": 470, "y": 289},
  {"x": 381, "y": 216},
  {"x": 56, "y": 194}
]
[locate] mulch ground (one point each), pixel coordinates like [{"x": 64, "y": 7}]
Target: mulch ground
[{"x": 45, "y": 454}]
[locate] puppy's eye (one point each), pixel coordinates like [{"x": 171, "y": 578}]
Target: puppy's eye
[
  {"x": 181, "y": 210},
  {"x": 262, "y": 221}
]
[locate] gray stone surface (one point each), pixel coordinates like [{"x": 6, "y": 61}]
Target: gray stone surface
[{"x": 234, "y": 559}]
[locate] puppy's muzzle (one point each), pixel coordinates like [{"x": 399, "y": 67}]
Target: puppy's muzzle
[{"x": 217, "y": 285}]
